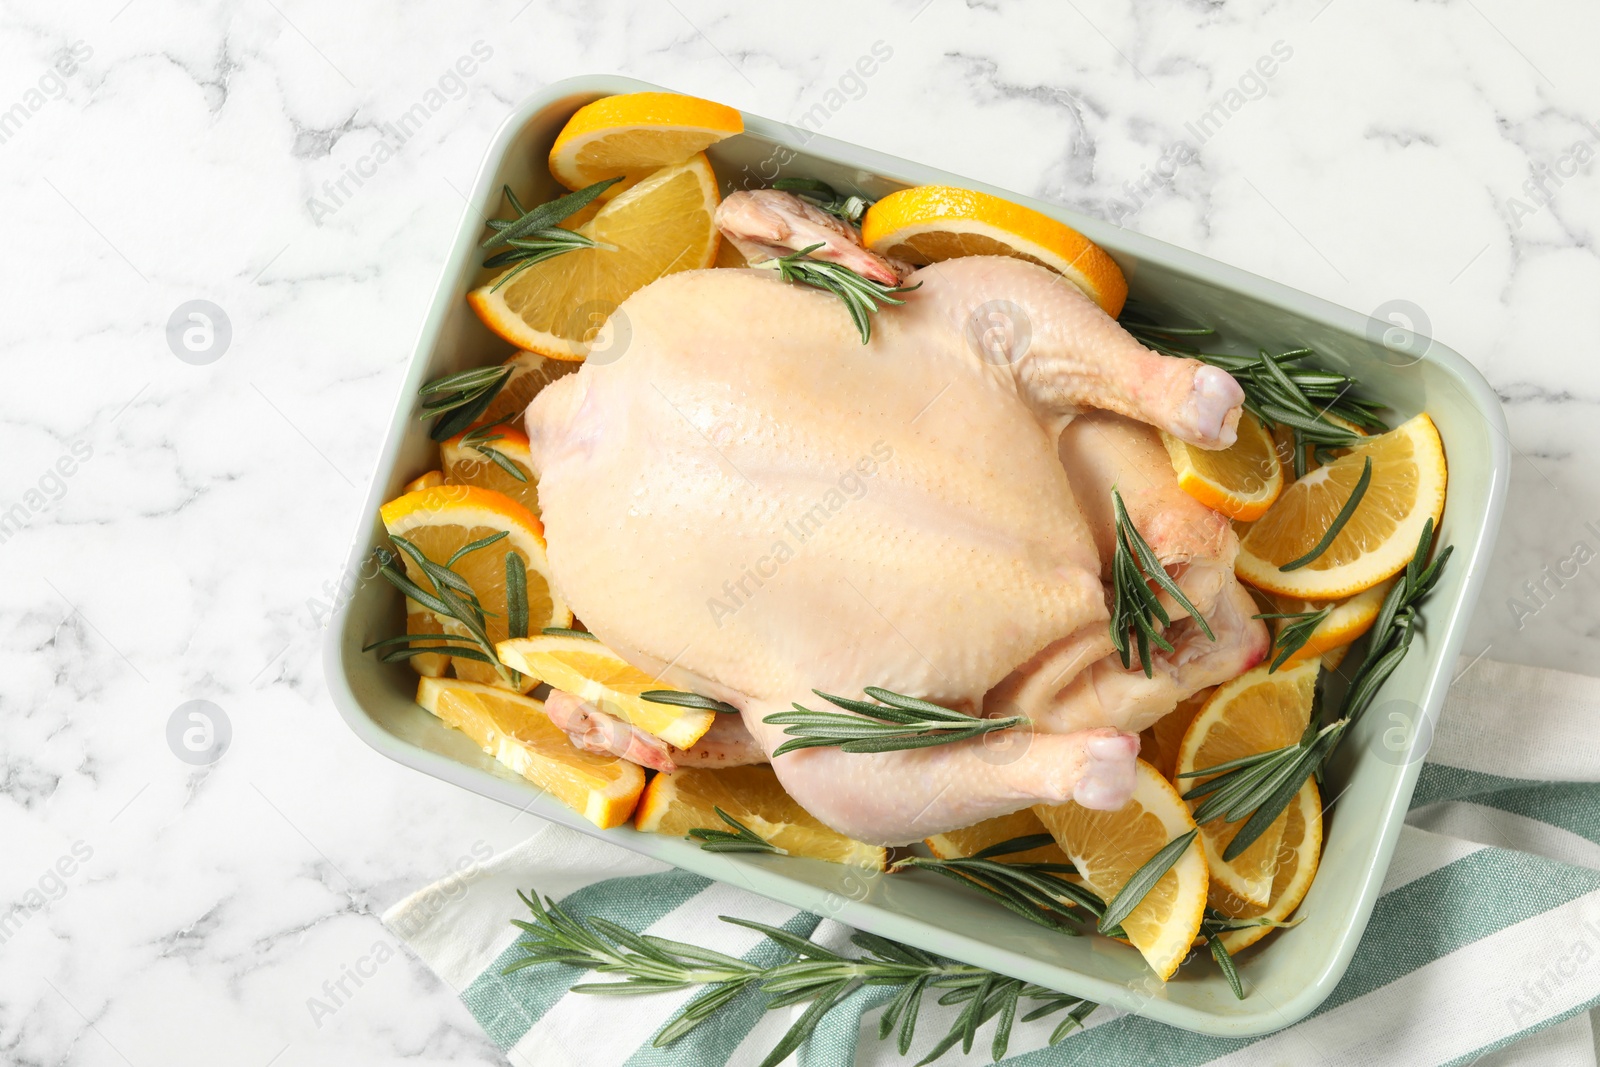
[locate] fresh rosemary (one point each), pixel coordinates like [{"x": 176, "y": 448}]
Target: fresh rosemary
[
  {"x": 824, "y": 196},
  {"x": 1339, "y": 520},
  {"x": 1135, "y": 889},
  {"x": 1135, "y": 609},
  {"x": 895, "y": 722},
  {"x": 1257, "y": 788},
  {"x": 459, "y": 399},
  {"x": 740, "y": 839},
  {"x": 1294, "y": 630},
  {"x": 1035, "y": 891},
  {"x": 862, "y": 296},
  {"x": 534, "y": 236},
  {"x": 679, "y": 698},
  {"x": 1277, "y": 388},
  {"x": 812, "y": 973},
  {"x": 452, "y": 597}
]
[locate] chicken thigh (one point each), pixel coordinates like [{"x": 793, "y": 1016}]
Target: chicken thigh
[{"x": 748, "y": 503}]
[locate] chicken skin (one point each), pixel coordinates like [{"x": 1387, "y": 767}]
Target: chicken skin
[{"x": 751, "y": 504}]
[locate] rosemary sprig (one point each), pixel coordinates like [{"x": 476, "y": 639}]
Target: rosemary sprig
[
  {"x": 458, "y": 399},
  {"x": 452, "y": 597},
  {"x": 1034, "y": 891},
  {"x": 1259, "y": 787},
  {"x": 1277, "y": 388},
  {"x": 740, "y": 839},
  {"x": 824, "y": 196},
  {"x": 895, "y": 722},
  {"x": 534, "y": 236},
  {"x": 1293, "y": 635},
  {"x": 862, "y": 296},
  {"x": 679, "y": 698},
  {"x": 1339, "y": 520},
  {"x": 812, "y": 973},
  {"x": 1135, "y": 609}
]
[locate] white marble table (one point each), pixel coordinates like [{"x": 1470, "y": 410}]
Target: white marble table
[{"x": 173, "y": 528}]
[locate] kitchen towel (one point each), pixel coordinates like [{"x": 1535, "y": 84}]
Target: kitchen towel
[{"x": 1484, "y": 947}]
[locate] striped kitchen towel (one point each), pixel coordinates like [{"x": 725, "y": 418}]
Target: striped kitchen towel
[{"x": 1484, "y": 947}]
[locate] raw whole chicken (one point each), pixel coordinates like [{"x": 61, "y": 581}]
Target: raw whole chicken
[{"x": 747, "y": 502}]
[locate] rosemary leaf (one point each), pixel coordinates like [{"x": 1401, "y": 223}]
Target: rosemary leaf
[
  {"x": 545, "y": 215},
  {"x": 1144, "y": 879},
  {"x": 1219, "y": 952},
  {"x": 1339, "y": 520},
  {"x": 516, "y": 596},
  {"x": 563, "y": 631},
  {"x": 740, "y": 839},
  {"x": 678, "y": 698},
  {"x": 1026, "y": 843},
  {"x": 1292, "y": 636}
]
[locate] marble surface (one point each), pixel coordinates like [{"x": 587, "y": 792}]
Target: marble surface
[{"x": 176, "y": 528}]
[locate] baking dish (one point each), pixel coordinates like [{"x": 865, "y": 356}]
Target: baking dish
[{"x": 1372, "y": 777}]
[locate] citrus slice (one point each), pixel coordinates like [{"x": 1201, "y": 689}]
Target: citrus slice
[
  {"x": 1407, "y": 489},
  {"x": 933, "y": 223},
  {"x": 1299, "y": 852},
  {"x": 424, "y": 481},
  {"x": 959, "y": 844},
  {"x": 530, "y": 372},
  {"x": 658, "y": 227},
  {"x": 1159, "y": 742},
  {"x": 1241, "y": 481},
  {"x": 590, "y": 671},
  {"x": 633, "y": 134},
  {"x": 514, "y": 730},
  {"x": 478, "y": 463},
  {"x": 441, "y": 521},
  {"x": 1334, "y": 657},
  {"x": 419, "y": 620},
  {"x": 685, "y": 800},
  {"x": 1108, "y": 847},
  {"x": 1348, "y": 620},
  {"x": 1256, "y": 712}
]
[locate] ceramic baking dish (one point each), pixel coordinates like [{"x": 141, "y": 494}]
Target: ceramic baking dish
[{"x": 1293, "y": 971}]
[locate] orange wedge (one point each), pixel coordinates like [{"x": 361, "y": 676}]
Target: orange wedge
[
  {"x": 419, "y": 620},
  {"x": 1407, "y": 489},
  {"x": 933, "y": 223},
  {"x": 634, "y": 134},
  {"x": 589, "y": 670},
  {"x": 1348, "y": 620},
  {"x": 1256, "y": 712},
  {"x": 959, "y": 844},
  {"x": 1108, "y": 847},
  {"x": 1299, "y": 852},
  {"x": 514, "y": 730},
  {"x": 445, "y": 519},
  {"x": 660, "y": 226},
  {"x": 424, "y": 481},
  {"x": 674, "y": 804},
  {"x": 1241, "y": 481},
  {"x": 1159, "y": 743},
  {"x": 481, "y": 459}
]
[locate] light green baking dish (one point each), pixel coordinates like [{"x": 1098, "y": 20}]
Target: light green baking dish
[{"x": 1292, "y": 972}]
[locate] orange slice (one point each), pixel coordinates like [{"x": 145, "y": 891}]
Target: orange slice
[
  {"x": 1159, "y": 743},
  {"x": 476, "y": 459},
  {"x": 1299, "y": 852},
  {"x": 530, "y": 372},
  {"x": 443, "y": 520},
  {"x": 633, "y": 134},
  {"x": 1348, "y": 620},
  {"x": 660, "y": 226},
  {"x": 514, "y": 730},
  {"x": 1256, "y": 712},
  {"x": 1241, "y": 481},
  {"x": 933, "y": 223},
  {"x": 589, "y": 670},
  {"x": 674, "y": 804},
  {"x": 1407, "y": 489},
  {"x": 959, "y": 844},
  {"x": 1108, "y": 847}
]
